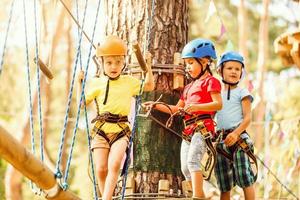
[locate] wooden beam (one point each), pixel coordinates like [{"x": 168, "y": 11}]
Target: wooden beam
[{"x": 13, "y": 152}]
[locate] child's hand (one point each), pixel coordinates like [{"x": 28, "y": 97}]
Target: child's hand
[
  {"x": 148, "y": 105},
  {"x": 231, "y": 139},
  {"x": 80, "y": 76},
  {"x": 189, "y": 108}
]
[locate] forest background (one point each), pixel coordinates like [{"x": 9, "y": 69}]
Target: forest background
[{"x": 276, "y": 119}]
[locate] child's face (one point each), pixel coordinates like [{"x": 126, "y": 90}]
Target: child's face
[
  {"x": 193, "y": 67},
  {"x": 113, "y": 65},
  {"x": 232, "y": 71}
]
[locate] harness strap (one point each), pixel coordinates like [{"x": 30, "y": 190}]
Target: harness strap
[
  {"x": 196, "y": 118},
  {"x": 121, "y": 134},
  {"x": 111, "y": 118},
  {"x": 212, "y": 154},
  {"x": 244, "y": 146}
]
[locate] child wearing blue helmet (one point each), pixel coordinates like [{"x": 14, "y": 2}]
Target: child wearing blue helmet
[
  {"x": 233, "y": 165},
  {"x": 200, "y": 100}
]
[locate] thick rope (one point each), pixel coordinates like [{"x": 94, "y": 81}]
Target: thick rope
[
  {"x": 58, "y": 173},
  {"x": 6, "y": 34},
  {"x": 81, "y": 98}
]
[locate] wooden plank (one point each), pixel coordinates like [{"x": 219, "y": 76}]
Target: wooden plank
[{"x": 13, "y": 152}]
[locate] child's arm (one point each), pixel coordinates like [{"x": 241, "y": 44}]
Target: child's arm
[
  {"x": 163, "y": 108},
  {"x": 215, "y": 105},
  {"x": 80, "y": 79},
  {"x": 149, "y": 80},
  {"x": 234, "y": 136}
]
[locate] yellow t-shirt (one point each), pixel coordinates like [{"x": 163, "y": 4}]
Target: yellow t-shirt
[{"x": 119, "y": 97}]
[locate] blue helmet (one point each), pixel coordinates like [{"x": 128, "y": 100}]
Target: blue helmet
[
  {"x": 199, "y": 48},
  {"x": 231, "y": 56}
]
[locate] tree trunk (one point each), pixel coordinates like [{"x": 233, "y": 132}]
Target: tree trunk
[
  {"x": 261, "y": 68},
  {"x": 243, "y": 32},
  {"x": 156, "y": 151}
]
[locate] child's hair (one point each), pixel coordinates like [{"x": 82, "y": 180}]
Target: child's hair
[{"x": 200, "y": 48}]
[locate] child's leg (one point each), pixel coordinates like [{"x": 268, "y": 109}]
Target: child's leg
[
  {"x": 117, "y": 151},
  {"x": 244, "y": 174},
  {"x": 101, "y": 160},
  {"x": 225, "y": 195},
  {"x": 184, "y": 150},
  {"x": 196, "y": 152},
  {"x": 197, "y": 183},
  {"x": 224, "y": 172},
  {"x": 249, "y": 193}
]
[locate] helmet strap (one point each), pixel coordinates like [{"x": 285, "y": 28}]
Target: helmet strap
[
  {"x": 229, "y": 84},
  {"x": 202, "y": 71}
]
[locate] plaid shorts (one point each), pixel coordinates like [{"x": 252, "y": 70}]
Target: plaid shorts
[{"x": 238, "y": 172}]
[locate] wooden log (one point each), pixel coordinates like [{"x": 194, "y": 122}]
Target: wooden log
[
  {"x": 130, "y": 185},
  {"x": 139, "y": 56},
  {"x": 44, "y": 68},
  {"x": 178, "y": 79},
  {"x": 163, "y": 186},
  {"x": 187, "y": 188},
  {"x": 20, "y": 158}
]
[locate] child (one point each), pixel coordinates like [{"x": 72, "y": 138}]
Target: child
[
  {"x": 233, "y": 119},
  {"x": 112, "y": 93},
  {"x": 201, "y": 98}
]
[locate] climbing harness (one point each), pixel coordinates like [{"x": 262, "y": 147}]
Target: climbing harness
[
  {"x": 58, "y": 173},
  {"x": 198, "y": 126},
  {"x": 241, "y": 143}
]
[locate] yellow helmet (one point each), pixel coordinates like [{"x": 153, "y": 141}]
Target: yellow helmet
[{"x": 112, "y": 46}]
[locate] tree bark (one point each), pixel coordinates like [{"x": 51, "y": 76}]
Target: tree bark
[{"x": 156, "y": 151}]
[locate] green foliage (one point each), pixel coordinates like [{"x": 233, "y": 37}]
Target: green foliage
[{"x": 2, "y": 174}]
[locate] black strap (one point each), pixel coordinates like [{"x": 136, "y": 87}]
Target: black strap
[
  {"x": 111, "y": 118},
  {"x": 120, "y": 135},
  {"x": 245, "y": 147},
  {"x": 196, "y": 118}
]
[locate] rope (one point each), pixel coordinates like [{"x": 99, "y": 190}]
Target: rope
[
  {"x": 78, "y": 33},
  {"x": 65, "y": 186},
  {"x": 137, "y": 105},
  {"x": 87, "y": 123},
  {"x": 90, "y": 152},
  {"x": 77, "y": 23},
  {"x": 39, "y": 86},
  {"x": 127, "y": 161},
  {"x": 29, "y": 89},
  {"x": 6, "y": 34},
  {"x": 58, "y": 173},
  {"x": 276, "y": 178}
]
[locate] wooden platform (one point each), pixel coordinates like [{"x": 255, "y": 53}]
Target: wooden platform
[{"x": 287, "y": 46}]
